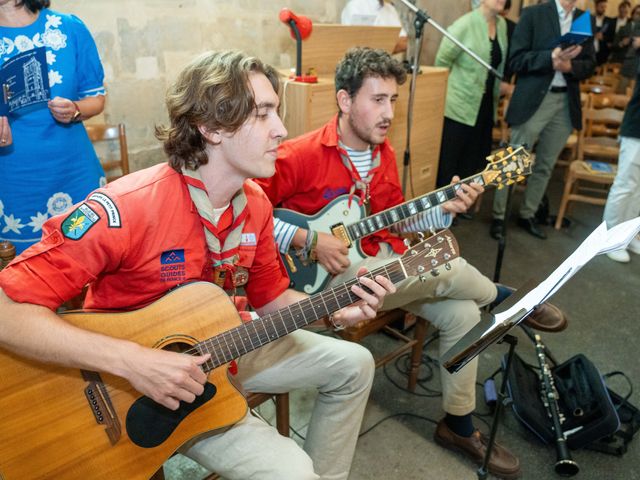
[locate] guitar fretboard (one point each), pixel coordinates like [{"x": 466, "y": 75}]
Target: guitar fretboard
[
  {"x": 391, "y": 216},
  {"x": 247, "y": 337}
]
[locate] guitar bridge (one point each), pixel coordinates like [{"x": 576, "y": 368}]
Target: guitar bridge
[
  {"x": 339, "y": 231},
  {"x": 101, "y": 405}
]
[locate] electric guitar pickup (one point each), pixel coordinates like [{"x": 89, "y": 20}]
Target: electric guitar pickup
[{"x": 348, "y": 221}]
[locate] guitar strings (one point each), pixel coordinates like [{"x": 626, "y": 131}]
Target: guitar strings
[{"x": 301, "y": 314}]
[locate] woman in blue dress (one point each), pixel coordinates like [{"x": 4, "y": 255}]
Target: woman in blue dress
[{"x": 47, "y": 162}]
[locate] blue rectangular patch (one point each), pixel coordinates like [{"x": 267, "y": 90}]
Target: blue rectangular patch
[{"x": 172, "y": 256}]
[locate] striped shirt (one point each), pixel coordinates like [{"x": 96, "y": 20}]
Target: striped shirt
[{"x": 362, "y": 160}]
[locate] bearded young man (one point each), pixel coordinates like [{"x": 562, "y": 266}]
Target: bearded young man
[{"x": 351, "y": 154}]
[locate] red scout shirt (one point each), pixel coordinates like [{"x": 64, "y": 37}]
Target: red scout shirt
[
  {"x": 310, "y": 173},
  {"x": 135, "y": 239}
]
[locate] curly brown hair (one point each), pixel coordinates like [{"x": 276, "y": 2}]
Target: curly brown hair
[
  {"x": 213, "y": 91},
  {"x": 362, "y": 62}
]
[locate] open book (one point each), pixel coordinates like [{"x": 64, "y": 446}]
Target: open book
[
  {"x": 492, "y": 327},
  {"x": 579, "y": 33},
  {"x": 25, "y": 80}
]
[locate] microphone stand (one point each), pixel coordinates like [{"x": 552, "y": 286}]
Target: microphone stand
[{"x": 420, "y": 19}]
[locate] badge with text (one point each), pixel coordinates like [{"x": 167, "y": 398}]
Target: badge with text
[
  {"x": 79, "y": 222},
  {"x": 172, "y": 266}
]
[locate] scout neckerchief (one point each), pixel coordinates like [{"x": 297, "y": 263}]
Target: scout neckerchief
[
  {"x": 359, "y": 184},
  {"x": 223, "y": 236}
]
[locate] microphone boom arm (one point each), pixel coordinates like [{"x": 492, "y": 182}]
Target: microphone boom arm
[{"x": 421, "y": 18}]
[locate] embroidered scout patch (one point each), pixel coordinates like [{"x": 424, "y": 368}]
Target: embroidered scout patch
[
  {"x": 113, "y": 215},
  {"x": 79, "y": 222},
  {"x": 172, "y": 266}
]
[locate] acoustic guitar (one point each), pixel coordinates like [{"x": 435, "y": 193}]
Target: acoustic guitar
[
  {"x": 347, "y": 220},
  {"x": 65, "y": 424}
]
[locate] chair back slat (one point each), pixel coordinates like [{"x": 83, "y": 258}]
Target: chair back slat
[{"x": 107, "y": 134}]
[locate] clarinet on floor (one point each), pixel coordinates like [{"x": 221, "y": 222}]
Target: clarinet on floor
[{"x": 565, "y": 465}]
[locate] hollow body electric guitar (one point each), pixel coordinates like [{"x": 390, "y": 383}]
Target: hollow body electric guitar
[
  {"x": 67, "y": 424},
  {"x": 348, "y": 221}
]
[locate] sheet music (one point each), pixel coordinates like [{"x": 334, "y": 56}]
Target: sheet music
[{"x": 601, "y": 240}]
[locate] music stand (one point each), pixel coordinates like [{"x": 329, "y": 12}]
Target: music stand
[{"x": 486, "y": 333}]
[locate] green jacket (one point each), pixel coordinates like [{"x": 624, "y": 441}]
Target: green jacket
[{"x": 467, "y": 77}]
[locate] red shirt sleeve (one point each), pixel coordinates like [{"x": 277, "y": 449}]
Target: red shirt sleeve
[{"x": 57, "y": 268}]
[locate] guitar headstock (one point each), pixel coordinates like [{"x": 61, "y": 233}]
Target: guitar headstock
[
  {"x": 430, "y": 254},
  {"x": 506, "y": 167}
]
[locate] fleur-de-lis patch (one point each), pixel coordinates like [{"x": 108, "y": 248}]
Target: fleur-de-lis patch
[{"x": 79, "y": 222}]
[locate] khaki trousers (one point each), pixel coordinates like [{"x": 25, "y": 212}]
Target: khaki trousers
[
  {"x": 343, "y": 374},
  {"x": 548, "y": 129},
  {"x": 450, "y": 302}
]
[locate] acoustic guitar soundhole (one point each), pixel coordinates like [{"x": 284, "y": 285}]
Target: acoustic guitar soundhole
[{"x": 149, "y": 424}]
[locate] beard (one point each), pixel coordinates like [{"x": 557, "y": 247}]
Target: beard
[{"x": 367, "y": 135}]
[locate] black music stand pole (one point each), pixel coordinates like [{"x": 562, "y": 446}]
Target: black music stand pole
[
  {"x": 502, "y": 400},
  {"x": 502, "y": 240}
]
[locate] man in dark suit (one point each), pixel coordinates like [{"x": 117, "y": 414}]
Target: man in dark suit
[
  {"x": 603, "y": 32},
  {"x": 545, "y": 106}
]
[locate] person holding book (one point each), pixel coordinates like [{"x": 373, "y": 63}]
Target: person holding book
[
  {"x": 623, "y": 202},
  {"x": 603, "y": 32},
  {"x": 46, "y": 158},
  {"x": 618, "y": 46},
  {"x": 545, "y": 105},
  {"x": 473, "y": 92}
]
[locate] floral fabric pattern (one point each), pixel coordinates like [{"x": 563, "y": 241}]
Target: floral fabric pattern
[{"x": 51, "y": 165}]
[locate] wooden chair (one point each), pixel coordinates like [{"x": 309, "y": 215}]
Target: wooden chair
[
  {"x": 383, "y": 322},
  {"x": 609, "y": 69},
  {"x": 610, "y": 82},
  {"x": 597, "y": 139},
  {"x": 579, "y": 171},
  {"x": 254, "y": 400},
  {"x": 591, "y": 147},
  {"x": 608, "y": 100},
  {"x": 110, "y": 142},
  {"x": 7, "y": 253}
]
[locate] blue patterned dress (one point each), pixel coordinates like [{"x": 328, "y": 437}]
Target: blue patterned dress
[{"x": 50, "y": 165}]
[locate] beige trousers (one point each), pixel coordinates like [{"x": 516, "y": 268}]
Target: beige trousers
[
  {"x": 342, "y": 372},
  {"x": 450, "y": 302}
]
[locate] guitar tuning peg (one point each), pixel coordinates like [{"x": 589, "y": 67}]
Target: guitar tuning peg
[
  {"x": 447, "y": 266},
  {"x": 422, "y": 278},
  {"x": 435, "y": 273},
  {"x": 407, "y": 242}
]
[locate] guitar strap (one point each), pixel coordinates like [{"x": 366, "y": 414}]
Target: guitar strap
[
  {"x": 360, "y": 185},
  {"x": 224, "y": 234}
]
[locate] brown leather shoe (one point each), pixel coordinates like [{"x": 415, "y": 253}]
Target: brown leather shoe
[
  {"x": 502, "y": 462},
  {"x": 547, "y": 318}
]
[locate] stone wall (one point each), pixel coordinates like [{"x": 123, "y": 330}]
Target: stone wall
[{"x": 144, "y": 44}]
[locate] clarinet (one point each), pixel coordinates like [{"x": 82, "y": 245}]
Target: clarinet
[{"x": 565, "y": 466}]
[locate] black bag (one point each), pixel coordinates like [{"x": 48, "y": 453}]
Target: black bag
[{"x": 584, "y": 401}]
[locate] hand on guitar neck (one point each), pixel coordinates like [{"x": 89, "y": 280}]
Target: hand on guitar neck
[{"x": 466, "y": 196}]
